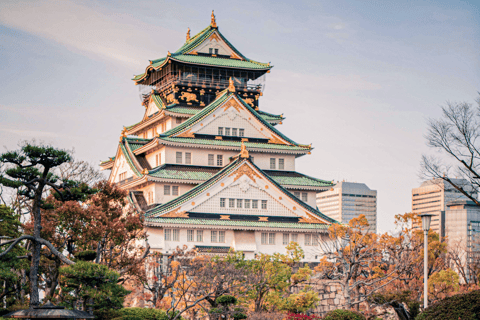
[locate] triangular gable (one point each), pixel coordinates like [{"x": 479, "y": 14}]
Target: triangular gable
[
  {"x": 126, "y": 161},
  {"x": 227, "y": 109},
  {"x": 154, "y": 105},
  {"x": 240, "y": 180}
]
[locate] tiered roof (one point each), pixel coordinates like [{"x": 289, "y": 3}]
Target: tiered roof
[{"x": 187, "y": 54}]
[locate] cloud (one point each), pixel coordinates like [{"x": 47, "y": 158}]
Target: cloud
[
  {"x": 119, "y": 38},
  {"x": 31, "y": 133}
]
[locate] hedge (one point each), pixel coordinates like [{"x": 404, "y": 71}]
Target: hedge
[
  {"x": 461, "y": 306},
  {"x": 340, "y": 314}
]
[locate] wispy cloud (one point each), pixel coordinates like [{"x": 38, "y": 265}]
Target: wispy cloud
[{"x": 80, "y": 28}]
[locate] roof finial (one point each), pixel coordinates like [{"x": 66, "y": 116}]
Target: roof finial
[
  {"x": 244, "y": 151},
  {"x": 231, "y": 85},
  {"x": 188, "y": 34},
  {"x": 213, "y": 24}
]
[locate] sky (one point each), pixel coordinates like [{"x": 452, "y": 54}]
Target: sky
[{"x": 357, "y": 79}]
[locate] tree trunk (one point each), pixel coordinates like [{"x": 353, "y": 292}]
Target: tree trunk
[{"x": 36, "y": 247}]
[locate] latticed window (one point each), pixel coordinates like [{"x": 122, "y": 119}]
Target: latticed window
[
  {"x": 219, "y": 160},
  {"x": 122, "y": 176},
  {"x": 247, "y": 203},
  {"x": 295, "y": 237},
  {"x": 315, "y": 239},
  {"x": 231, "y": 203},
  {"x": 254, "y": 204},
  {"x": 220, "y": 131},
  {"x": 239, "y": 203},
  {"x": 264, "y": 204},
  {"x": 241, "y": 132},
  {"x": 264, "y": 238},
  {"x": 297, "y": 194},
  {"x": 158, "y": 159},
  {"x": 281, "y": 164},
  {"x": 188, "y": 158},
  {"x": 211, "y": 159},
  {"x": 190, "y": 234},
  {"x": 222, "y": 202},
  {"x": 199, "y": 235},
  {"x": 304, "y": 196},
  {"x": 175, "y": 235},
  {"x": 179, "y": 120},
  {"x": 227, "y": 131},
  {"x": 168, "y": 234},
  {"x": 213, "y": 237},
  {"x": 272, "y": 163},
  {"x": 221, "y": 236},
  {"x": 179, "y": 157},
  {"x": 308, "y": 239},
  {"x": 234, "y": 132},
  {"x": 174, "y": 190},
  {"x": 285, "y": 239},
  {"x": 271, "y": 238},
  {"x": 166, "y": 190}
]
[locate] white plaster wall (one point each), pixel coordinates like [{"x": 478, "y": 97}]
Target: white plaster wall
[
  {"x": 212, "y": 42},
  {"x": 121, "y": 166},
  {"x": 262, "y": 160},
  {"x": 151, "y": 157}
]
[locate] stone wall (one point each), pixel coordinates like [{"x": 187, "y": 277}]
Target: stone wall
[{"x": 330, "y": 294}]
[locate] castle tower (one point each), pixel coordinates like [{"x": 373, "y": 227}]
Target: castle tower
[{"x": 207, "y": 167}]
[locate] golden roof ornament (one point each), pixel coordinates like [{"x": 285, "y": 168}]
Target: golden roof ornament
[
  {"x": 244, "y": 151},
  {"x": 188, "y": 34},
  {"x": 231, "y": 85},
  {"x": 213, "y": 23},
  {"x": 145, "y": 171},
  {"x": 169, "y": 54}
]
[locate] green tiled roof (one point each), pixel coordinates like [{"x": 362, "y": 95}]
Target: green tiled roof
[
  {"x": 183, "y": 172},
  {"x": 195, "y": 41},
  {"x": 129, "y": 157},
  {"x": 183, "y": 109},
  {"x": 235, "y": 223},
  {"x": 293, "y": 178},
  {"x": 162, "y": 208},
  {"x": 269, "y": 116},
  {"x": 158, "y": 101},
  {"x": 228, "y": 143}
]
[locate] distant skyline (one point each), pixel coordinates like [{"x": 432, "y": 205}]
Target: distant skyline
[{"x": 356, "y": 79}]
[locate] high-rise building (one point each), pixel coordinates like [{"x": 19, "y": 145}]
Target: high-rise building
[
  {"x": 462, "y": 230},
  {"x": 347, "y": 200},
  {"x": 432, "y": 197},
  {"x": 206, "y": 165}
]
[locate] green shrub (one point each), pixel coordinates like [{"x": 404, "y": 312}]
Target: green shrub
[
  {"x": 226, "y": 300},
  {"x": 87, "y": 255},
  {"x": 461, "y": 306},
  {"x": 142, "y": 313},
  {"x": 340, "y": 314}
]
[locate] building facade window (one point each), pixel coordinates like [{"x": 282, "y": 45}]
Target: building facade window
[
  {"x": 211, "y": 159},
  {"x": 220, "y": 131},
  {"x": 221, "y": 236},
  {"x": 179, "y": 120},
  {"x": 122, "y": 176},
  {"x": 272, "y": 163},
  {"x": 271, "y": 238},
  {"x": 308, "y": 239},
  {"x": 264, "y": 204},
  {"x": 222, "y": 202},
  {"x": 175, "y": 235},
  {"x": 234, "y": 132},
  {"x": 190, "y": 235},
  {"x": 296, "y": 194},
  {"x": 239, "y": 203},
  {"x": 241, "y": 132},
  {"x": 247, "y": 204},
  {"x": 264, "y": 238},
  {"x": 231, "y": 203},
  {"x": 174, "y": 190},
  {"x": 227, "y": 131},
  {"x": 166, "y": 190},
  {"x": 295, "y": 238},
  {"x": 168, "y": 234},
  {"x": 285, "y": 239},
  {"x": 188, "y": 158},
  {"x": 304, "y": 196},
  {"x": 158, "y": 159},
  {"x": 179, "y": 157},
  {"x": 281, "y": 164},
  {"x": 219, "y": 160},
  {"x": 213, "y": 236},
  {"x": 254, "y": 204},
  {"x": 199, "y": 235}
]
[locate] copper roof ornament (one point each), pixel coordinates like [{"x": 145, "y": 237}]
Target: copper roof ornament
[
  {"x": 188, "y": 34},
  {"x": 213, "y": 23},
  {"x": 244, "y": 151},
  {"x": 49, "y": 311},
  {"x": 231, "y": 85}
]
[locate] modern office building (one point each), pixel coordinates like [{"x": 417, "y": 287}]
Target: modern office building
[
  {"x": 432, "y": 197},
  {"x": 462, "y": 229},
  {"x": 347, "y": 200}
]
